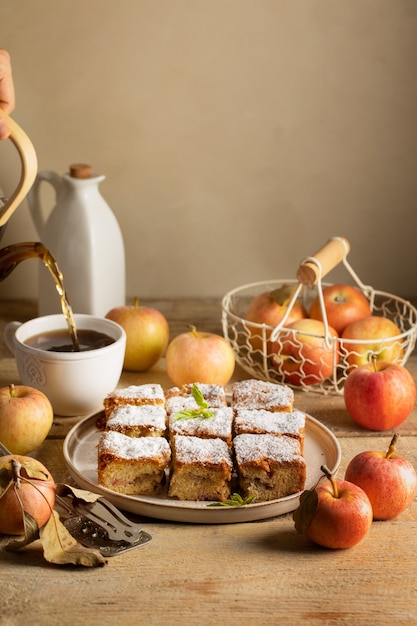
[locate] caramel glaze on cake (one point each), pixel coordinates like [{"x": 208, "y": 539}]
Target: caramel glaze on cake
[
  {"x": 201, "y": 469},
  {"x": 132, "y": 465},
  {"x": 269, "y": 467}
]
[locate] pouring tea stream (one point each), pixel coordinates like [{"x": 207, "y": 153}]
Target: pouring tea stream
[{"x": 13, "y": 254}]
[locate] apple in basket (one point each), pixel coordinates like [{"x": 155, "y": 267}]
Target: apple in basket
[
  {"x": 306, "y": 355},
  {"x": 388, "y": 479},
  {"x": 269, "y": 308},
  {"x": 343, "y": 305},
  {"x": 373, "y": 335}
]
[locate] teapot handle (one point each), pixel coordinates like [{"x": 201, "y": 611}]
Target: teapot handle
[
  {"x": 34, "y": 198},
  {"x": 29, "y": 168}
]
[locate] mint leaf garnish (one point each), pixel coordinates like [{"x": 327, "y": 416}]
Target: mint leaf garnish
[
  {"x": 202, "y": 411},
  {"x": 234, "y": 500}
]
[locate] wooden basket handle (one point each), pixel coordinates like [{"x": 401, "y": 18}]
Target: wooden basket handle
[
  {"x": 323, "y": 261},
  {"x": 29, "y": 168}
]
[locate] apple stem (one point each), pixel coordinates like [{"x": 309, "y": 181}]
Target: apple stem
[
  {"x": 193, "y": 330},
  {"x": 136, "y": 302},
  {"x": 330, "y": 476},
  {"x": 392, "y": 445},
  {"x": 12, "y": 390},
  {"x": 374, "y": 361},
  {"x": 16, "y": 466},
  {"x": 17, "y": 477}
]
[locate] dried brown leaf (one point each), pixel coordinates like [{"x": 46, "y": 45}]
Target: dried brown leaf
[
  {"x": 88, "y": 496},
  {"x": 306, "y": 510},
  {"x": 282, "y": 295},
  {"x": 31, "y": 534},
  {"x": 61, "y": 548}
]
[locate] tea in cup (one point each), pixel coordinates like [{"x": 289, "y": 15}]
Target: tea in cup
[{"x": 75, "y": 381}]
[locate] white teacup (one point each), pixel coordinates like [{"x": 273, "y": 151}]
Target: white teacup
[{"x": 76, "y": 383}]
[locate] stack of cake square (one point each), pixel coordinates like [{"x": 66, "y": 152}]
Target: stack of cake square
[
  {"x": 202, "y": 463},
  {"x": 133, "y": 451},
  {"x": 268, "y": 440},
  {"x": 151, "y": 436}
]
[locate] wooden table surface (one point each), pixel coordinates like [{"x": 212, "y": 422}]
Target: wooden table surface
[{"x": 252, "y": 573}]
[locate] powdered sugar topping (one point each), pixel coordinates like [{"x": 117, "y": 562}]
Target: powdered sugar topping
[
  {"x": 254, "y": 448},
  {"x": 260, "y": 420},
  {"x": 129, "y": 448},
  {"x": 196, "y": 450}
]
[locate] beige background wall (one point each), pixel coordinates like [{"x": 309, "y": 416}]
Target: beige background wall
[{"x": 236, "y": 136}]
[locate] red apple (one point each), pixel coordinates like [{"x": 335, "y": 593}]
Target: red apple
[
  {"x": 26, "y": 485},
  {"x": 389, "y": 480},
  {"x": 304, "y": 357},
  {"x": 269, "y": 308},
  {"x": 372, "y": 335},
  {"x": 147, "y": 335},
  {"x": 199, "y": 357},
  {"x": 343, "y": 304},
  {"x": 379, "y": 395},
  {"x": 335, "y": 514},
  {"x": 26, "y": 417}
]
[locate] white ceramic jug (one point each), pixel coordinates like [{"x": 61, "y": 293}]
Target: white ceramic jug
[{"x": 84, "y": 236}]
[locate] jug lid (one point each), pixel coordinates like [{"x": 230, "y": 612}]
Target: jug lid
[{"x": 80, "y": 170}]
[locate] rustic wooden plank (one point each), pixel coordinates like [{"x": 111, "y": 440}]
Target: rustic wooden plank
[
  {"x": 261, "y": 572},
  {"x": 253, "y": 573}
]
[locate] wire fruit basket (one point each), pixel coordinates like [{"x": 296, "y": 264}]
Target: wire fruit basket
[{"x": 259, "y": 348}]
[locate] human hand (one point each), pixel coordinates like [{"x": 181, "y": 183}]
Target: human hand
[{"x": 7, "y": 97}]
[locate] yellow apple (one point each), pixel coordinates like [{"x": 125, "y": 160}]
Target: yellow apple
[
  {"x": 26, "y": 417},
  {"x": 147, "y": 335},
  {"x": 373, "y": 336},
  {"x": 201, "y": 357}
]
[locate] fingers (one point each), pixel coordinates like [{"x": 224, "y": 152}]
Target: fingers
[{"x": 7, "y": 95}]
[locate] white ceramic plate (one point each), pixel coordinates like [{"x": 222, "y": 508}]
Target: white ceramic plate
[{"x": 320, "y": 448}]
